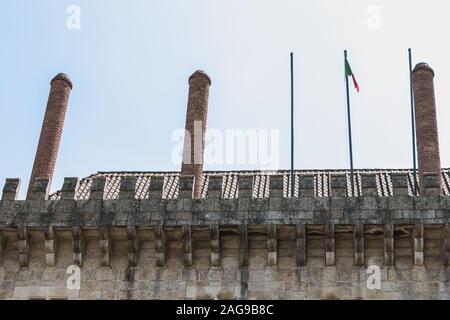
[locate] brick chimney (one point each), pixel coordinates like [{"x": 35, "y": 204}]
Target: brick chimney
[
  {"x": 196, "y": 117},
  {"x": 49, "y": 140},
  {"x": 426, "y": 122}
]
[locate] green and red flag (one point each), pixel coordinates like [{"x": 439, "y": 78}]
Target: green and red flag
[{"x": 349, "y": 72}]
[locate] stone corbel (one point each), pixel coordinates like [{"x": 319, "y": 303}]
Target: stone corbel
[
  {"x": 2, "y": 246},
  {"x": 358, "y": 238},
  {"x": 23, "y": 246},
  {"x": 187, "y": 245},
  {"x": 329, "y": 244},
  {"x": 133, "y": 246},
  {"x": 243, "y": 245},
  {"x": 388, "y": 244},
  {"x": 50, "y": 244},
  {"x": 446, "y": 244},
  {"x": 78, "y": 246},
  {"x": 160, "y": 245},
  {"x": 105, "y": 247},
  {"x": 418, "y": 244},
  {"x": 301, "y": 245},
  {"x": 272, "y": 245},
  {"x": 214, "y": 233}
]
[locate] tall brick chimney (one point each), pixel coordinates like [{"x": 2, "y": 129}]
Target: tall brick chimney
[
  {"x": 196, "y": 117},
  {"x": 49, "y": 140},
  {"x": 426, "y": 122}
]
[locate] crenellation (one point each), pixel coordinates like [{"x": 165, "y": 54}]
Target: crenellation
[
  {"x": 307, "y": 186},
  {"x": 400, "y": 184},
  {"x": 215, "y": 184},
  {"x": 338, "y": 186},
  {"x": 70, "y": 188},
  {"x": 40, "y": 189},
  {"x": 127, "y": 189},
  {"x": 245, "y": 186},
  {"x": 97, "y": 190},
  {"x": 276, "y": 186},
  {"x": 369, "y": 185},
  {"x": 431, "y": 184},
  {"x": 186, "y": 187},
  {"x": 156, "y": 188},
  {"x": 11, "y": 189}
]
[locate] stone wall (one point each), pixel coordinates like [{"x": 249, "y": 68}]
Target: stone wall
[{"x": 305, "y": 247}]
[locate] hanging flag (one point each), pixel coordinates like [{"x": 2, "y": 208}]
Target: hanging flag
[{"x": 349, "y": 72}]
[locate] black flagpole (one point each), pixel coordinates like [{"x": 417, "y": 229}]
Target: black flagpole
[
  {"x": 292, "y": 125},
  {"x": 413, "y": 125},
  {"x": 349, "y": 124}
]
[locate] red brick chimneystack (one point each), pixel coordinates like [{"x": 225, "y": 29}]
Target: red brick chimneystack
[
  {"x": 52, "y": 127},
  {"x": 426, "y": 121},
  {"x": 196, "y": 117}
]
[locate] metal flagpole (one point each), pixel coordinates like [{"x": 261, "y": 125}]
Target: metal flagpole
[
  {"x": 349, "y": 124},
  {"x": 292, "y": 125},
  {"x": 413, "y": 125}
]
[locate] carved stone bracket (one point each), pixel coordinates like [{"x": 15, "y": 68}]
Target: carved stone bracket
[
  {"x": 329, "y": 244},
  {"x": 214, "y": 233},
  {"x": 78, "y": 246},
  {"x": 187, "y": 245},
  {"x": 160, "y": 246},
  {"x": 446, "y": 244},
  {"x": 358, "y": 236},
  {"x": 418, "y": 244},
  {"x": 50, "y": 244},
  {"x": 2, "y": 246},
  {"x": 243, "y": 245},
  {"x": 133, "y": 246},
  {"x": 105, "y": 247},
  {"x": 388, "y": 244},
  {"x": 301, "y": 245},
  {"x": 23, "y": 246},
  {"x": 272, "y": 245}
]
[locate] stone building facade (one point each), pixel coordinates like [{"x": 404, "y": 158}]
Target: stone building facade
[{"x": 228, "y": 235}]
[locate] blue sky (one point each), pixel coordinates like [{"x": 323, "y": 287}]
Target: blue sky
[{"x": 130, "y": 62}]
